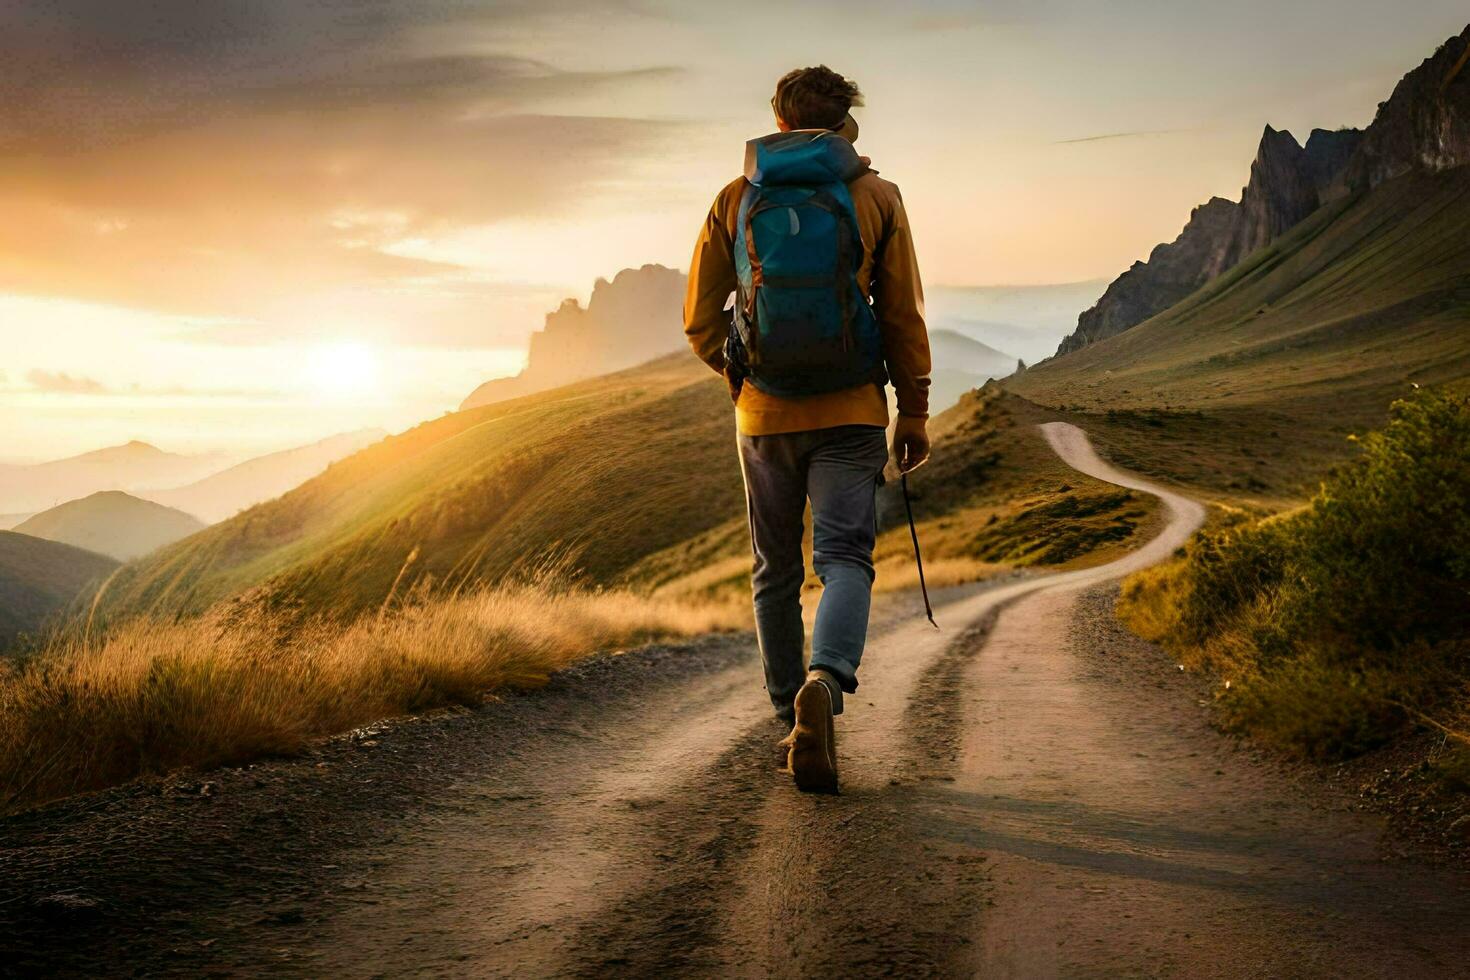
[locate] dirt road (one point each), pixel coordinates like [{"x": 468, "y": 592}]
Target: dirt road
[{"x": 1028, "y": 792}]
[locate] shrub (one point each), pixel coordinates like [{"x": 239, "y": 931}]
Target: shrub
[{"x": 1336, "y": 621}]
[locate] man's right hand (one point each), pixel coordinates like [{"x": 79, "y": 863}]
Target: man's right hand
[{"x": 910, "y": 443}]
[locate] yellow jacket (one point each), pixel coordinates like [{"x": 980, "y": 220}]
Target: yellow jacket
[{"x": 888, "y": 276}]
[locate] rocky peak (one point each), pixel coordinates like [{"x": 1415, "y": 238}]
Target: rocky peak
[
  {"x": 1280, "y": 193},
  {"x": 1287, "y": 183},
  {"x": 1326, "y": 159},
  {"x": 1424, "y": 124},
  {"x": 635, "y": 316},
  {"x": 1173, "y": 271}
]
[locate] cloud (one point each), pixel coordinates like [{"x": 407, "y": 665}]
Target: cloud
[
  {"x": 59, "y": 382},
  {"x": 1119, "y": 136},
  {"x": 212, "y": 159},
  {"x": 62, "y": 383}
]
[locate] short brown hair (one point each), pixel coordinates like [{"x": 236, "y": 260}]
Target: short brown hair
[{"x": 814, "y": 98}]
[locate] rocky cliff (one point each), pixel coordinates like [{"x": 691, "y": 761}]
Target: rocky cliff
[
  {"x": 1172, "y": 272},
  {"x": 634, "y": 318},
  {"x": 1424, "y": 125}
]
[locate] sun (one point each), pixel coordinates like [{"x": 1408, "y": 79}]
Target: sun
[{"x": 343, "y": 368}]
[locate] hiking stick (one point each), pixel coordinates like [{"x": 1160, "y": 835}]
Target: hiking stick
[{"x": 903, "y": 480}]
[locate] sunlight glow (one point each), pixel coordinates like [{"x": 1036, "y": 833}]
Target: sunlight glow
[{"x": 342, "y": 369}]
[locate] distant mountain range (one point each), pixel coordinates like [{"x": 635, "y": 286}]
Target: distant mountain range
[
  {"x": 194, "y": 484},
  {"x": 28, "y": 488},
  {"x": 112, "y": 523},
  {"x": 962, "y": 364},
  {"x": 226, "y": 493},
  {"x": 1423, "y": 127},
  {"x": 1026, "y": 321},
  {"x": 39, "y": 579}
]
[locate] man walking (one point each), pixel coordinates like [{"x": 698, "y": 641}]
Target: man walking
[{"x": 828, "y": 309}]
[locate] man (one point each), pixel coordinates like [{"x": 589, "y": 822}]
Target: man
[{"x": 828, "y": 307}]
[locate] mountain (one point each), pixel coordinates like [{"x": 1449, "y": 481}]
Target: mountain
[
  {"x": 39, "y": 579},
  {"x": 8, "y": 521},
  {"x": 639, "y": 316},
  {"x": 1026, "y": 320},
  {"x": 134, "y": 465},
  {"x": 1425, "y": 124},
  {"x": 112, "y": 523},
  {"x": 632, "y": 319},
  {"x": 230, "y": 491},
  {"x": 1287, "y": 183},
  {"x": 1423, "y": 127},
  {"x": 595, "y": 476},
  {"x": 1249, "y": 387},
  {"x": 961, "y": 364}
]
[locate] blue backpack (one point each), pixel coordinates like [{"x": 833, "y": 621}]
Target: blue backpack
[{"x": 801, "y": 323}]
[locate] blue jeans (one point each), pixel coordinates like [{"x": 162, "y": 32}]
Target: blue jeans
[{"x": 839, "y": 470}]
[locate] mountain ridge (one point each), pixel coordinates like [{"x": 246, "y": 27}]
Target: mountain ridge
[
  {"x": 1425, "y": 125},
  {"x": 39, "y": 579},
  {"x": 229, "y": 491},
  {"x": 134, "y": 465},
  {"x": 632, "y": 318}
]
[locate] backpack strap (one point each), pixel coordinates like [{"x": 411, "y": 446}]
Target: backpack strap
[
  {"x": 749, "y": 208},
  {"x": 746, "y": 302}
]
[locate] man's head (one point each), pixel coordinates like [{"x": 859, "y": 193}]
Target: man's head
[{"x": 816, "y": 98}]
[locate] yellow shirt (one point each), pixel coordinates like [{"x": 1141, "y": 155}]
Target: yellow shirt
[{"x": 888, "y": 275}]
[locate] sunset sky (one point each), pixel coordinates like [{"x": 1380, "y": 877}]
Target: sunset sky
[{"x": 247, "y": 224}]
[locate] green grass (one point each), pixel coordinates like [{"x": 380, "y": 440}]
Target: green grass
[
  {"x": 593, "y": 476},
  {"x": 630, "y": 480},
  {"x": 996, "y": 494},
  {"x": 1247, "y": 390}
]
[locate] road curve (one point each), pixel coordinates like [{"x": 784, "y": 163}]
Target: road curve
[{"x": 1029, "y": 792}]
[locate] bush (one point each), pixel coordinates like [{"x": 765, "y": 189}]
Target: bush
[{"x": 1336, "y": 621}]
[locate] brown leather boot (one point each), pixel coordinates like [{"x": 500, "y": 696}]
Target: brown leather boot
[
  {"x": 783, "y": 752},
  {"x": 813, "y": 758}
]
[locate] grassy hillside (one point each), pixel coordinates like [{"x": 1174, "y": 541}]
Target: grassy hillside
[
  {"x": 993, "y": 498},
  {"x": 1249, "y": 387},
  {"x": 594, "y": 475},
  {"x": 994, "y": 492},
  {"x": 112, "y": 523},
  {"x": 39, "y": 579},
  {"x": 226, "y": 493}
]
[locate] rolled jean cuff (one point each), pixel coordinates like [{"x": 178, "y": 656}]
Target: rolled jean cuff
[{"x": 846, "y": 679}]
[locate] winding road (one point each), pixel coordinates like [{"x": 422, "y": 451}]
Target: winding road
[{"x": 1029, "y": 792}]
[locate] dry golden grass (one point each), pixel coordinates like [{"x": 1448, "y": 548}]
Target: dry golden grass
[
  {"x": 898, "y": 573},
  {"x": 151, "y": 697}
]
